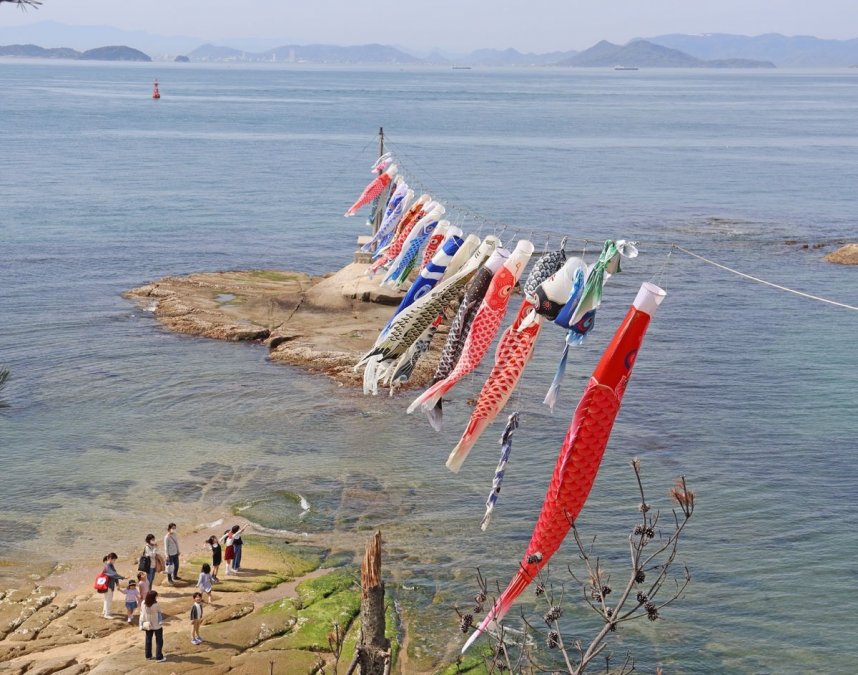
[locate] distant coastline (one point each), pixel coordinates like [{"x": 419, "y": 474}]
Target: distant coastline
[
  {"x": 111, "y": 53},
  {"x": 665, "y": 51}
]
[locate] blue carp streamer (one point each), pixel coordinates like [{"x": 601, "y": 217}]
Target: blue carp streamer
[{"x": 506, "y": 449}]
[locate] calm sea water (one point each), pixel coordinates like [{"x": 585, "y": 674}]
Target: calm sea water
[{"x": 116, "y": 425}]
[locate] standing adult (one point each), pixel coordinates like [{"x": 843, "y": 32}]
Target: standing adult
[
  {"x": 237, "y": 543},
  {"x": 171, "y": 549},
  {"x": 113, "y": 578},
  {"x": 151, "y": 622},
  {"x": 150, "y": 551}
]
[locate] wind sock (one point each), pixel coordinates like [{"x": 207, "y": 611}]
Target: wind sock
[
  {"x": 466, "y": 251},
  {"x": 413, "y": 320},
  {"x": 475, "y": 291},
  {"x": 406, "y": 226},
  {"x": 485, "y": 326},
  {"x": 431, "y": 274},
  {"x": 579, "y": 313},
  {"x": 382, "y": 162},
  {"x": 396, "y": 207},
  {"x": 500, "y": 471},
  {"x": 402, "y": 371},
  {"x": 404, "y": 327},
  {"x": 434, "y": 242},
  {"x": 514, "y": 350},
  {"x": 582, "y": 449},
  {"x": 379, "y": 204},
  {"x": 372, "y": 190},
  {"x": 401, "y": 267},
  {"x": 547, "y": 265}
]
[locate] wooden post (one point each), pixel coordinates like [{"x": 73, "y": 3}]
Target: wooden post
[
  {"x": 374, "y": 647},
  {"x": 379, "y": 212}
]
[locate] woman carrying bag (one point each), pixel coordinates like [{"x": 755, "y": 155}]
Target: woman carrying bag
[
  {"x": 149, "y": 559},
  {"x": 113, "y": 578},
  {"x": 151, "y": 622}
]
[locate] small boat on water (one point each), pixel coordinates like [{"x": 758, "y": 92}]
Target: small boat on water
[
  {"x": 461, "y": 67},
  {"x": 625, "y": 68},
  {"x": 155, "y": 92}
]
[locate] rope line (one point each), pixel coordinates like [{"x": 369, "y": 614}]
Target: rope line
[
  {"x": 466, "y": 213},
  {"x": 767, "y": 283}
]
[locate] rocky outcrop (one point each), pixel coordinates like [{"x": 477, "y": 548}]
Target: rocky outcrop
[
  {"x": 845, "y": 255},
  {"x": 321, "y": 324},
  {"x": 50, "y": 633}
]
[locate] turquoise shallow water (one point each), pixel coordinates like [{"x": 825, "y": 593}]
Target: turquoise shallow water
[{"x": 115, "y": 424}]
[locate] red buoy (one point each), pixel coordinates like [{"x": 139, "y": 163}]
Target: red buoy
[{"x": 155, "y": 92}]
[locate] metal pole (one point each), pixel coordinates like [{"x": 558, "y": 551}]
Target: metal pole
[{"x": 379, "y": 212}]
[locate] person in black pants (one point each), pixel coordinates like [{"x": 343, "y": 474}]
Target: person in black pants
[{"x": 151, "y": 622}]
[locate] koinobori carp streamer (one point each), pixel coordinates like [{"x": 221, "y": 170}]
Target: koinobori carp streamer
[{"x": 582, "y": 449}]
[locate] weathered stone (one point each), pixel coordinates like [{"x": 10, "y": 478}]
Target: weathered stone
[
  {"x": 75, "y": 669},
  {"x": 39, "y": 620},
  {"x": 52, "y": 666},
  {"x": 289, "y": 662},
  {"x": 323, "y": 325},
  {"x": 248, "y": 631},
  {"x": 845, "y": 255},
  {"x": 228, "y": 613}
]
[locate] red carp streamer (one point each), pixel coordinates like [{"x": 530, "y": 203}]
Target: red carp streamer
[
  {"x": 374, "y": 189},
  {"x": 582, "y": 449}
]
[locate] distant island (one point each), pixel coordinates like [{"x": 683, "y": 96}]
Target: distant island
[
  {"x": 644, "y": 54},
  {"x": 638, "y": 53},
  {"x": 711, "y": 50},
  {"x": 113, "y": 53}
]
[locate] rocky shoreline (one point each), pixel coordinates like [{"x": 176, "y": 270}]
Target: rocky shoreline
[
  {"x": 276, "y": 614},
  {"x": 320, "y": 324}
]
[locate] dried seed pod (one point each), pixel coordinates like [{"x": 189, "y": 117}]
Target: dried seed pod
[{"x": 553, "y": 640}]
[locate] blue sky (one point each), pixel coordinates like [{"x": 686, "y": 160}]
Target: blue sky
[{"x": 454, "y": 25}]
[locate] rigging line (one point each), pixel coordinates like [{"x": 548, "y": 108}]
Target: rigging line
[
  {"x": 767, "y": 283},
  {"x": 443, "y": 188},
  {"x": 658, "y": 275},
  {"x": 345, "y": 165}
]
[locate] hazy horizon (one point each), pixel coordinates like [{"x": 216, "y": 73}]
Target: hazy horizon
[{"x": 540, "y": 26}]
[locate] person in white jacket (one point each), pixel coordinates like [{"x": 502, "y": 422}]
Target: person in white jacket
[{"x": 151, "y": 622}]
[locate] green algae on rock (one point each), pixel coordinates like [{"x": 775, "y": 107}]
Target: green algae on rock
[{"x": 269, "y": 562}]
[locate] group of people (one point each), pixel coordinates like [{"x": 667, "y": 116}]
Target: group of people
[{"x": 139, "y": 591}]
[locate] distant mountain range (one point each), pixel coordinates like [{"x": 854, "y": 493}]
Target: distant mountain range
[
  {"x": 695, "y": 51},
  {"x": 116, "y": 53},
  {"x": 644, "y": 54},
  {"x": 801, "y": 51}
]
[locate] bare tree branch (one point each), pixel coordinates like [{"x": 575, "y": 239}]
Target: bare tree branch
[
  {"x": 23, "y": 4},
  {"x": 661, "y": 551}
]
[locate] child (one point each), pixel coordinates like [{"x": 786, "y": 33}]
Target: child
[
  {"x": 131, "y": 596},
  {"x": 204, "y": 583},
  {"x": 213, "y": 543},
  {"x": 142, "y": 587},
  {"x": 196, "y": 617},
  {"x": 229, "y": 552}
]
